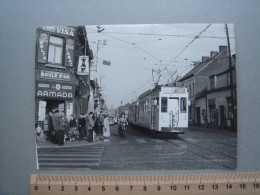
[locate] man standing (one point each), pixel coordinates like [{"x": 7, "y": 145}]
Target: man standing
[
  {"x": 60, "y": 124},
  {"x": 90, "y": 127},
  {"x": 82, "y": 126}
]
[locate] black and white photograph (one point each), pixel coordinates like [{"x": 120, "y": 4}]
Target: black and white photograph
[{"x": 136, "y": 97}]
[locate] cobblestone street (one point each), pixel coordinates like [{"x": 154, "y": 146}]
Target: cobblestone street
[{"x": 196, "y": 149}]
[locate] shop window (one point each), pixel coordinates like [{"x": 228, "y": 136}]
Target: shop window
[
  {"x": 183, "y": 104},
  {"x": 164, "y": 104},
  {"x": 55, "y": 50}
]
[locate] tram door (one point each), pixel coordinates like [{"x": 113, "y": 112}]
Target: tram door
[{"x": 173, "y": 110}]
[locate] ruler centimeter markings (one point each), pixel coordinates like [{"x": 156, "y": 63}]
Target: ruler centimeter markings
[{"x": 208, "y": 183}]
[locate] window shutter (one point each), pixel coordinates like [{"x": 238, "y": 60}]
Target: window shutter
[
  {"x": 42, "y": 47},
  {"x": 69, "y": 54}
]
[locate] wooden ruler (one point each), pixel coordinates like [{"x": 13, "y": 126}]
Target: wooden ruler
[{"x": 208, "y": 183}]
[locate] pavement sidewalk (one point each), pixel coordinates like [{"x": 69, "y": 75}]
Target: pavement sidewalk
[{"x": 67, "y": 144}]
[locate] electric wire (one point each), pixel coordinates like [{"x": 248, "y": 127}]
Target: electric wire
[
  {"x": 130, "y": 44},
  {"x": 196, "y": 37}
]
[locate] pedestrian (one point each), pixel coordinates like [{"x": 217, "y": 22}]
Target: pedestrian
[
  {"x": 73, "y": 128},
  {"x": 61, "y": 124},
  {"x": 50, "y": 125},
  {"x": 73, "y": 122},
  {"x": 106, "y": 129},
  {"x": 90, "y": 126},
  {"x": 82, "y": 126},
  {"x": 102, "y": 123},
  {"x": 54, "y": 131},
  {"x": 99, "y": 124}
]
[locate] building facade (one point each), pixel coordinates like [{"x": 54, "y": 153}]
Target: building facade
[
  {"x": 209, "y": 88},
  {"x": 57, "y": 84}
]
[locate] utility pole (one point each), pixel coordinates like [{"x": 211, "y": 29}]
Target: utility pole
[{"x": 231, "y": 79}]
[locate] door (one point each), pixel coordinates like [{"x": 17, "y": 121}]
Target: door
[
  {"x": 222, "y": 116},
  {"x": 173, "y": 108},
  {"x": 198, "y": 116}
]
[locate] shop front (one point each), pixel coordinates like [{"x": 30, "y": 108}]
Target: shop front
[{"x": 52, "y": 96}]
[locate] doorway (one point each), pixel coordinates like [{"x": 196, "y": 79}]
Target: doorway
[
  {"x": 222, "y": 117},
  {"x": 198, "y": 116}
]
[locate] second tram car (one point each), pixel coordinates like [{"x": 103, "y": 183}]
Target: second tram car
[{"x": 163, "y": 109}]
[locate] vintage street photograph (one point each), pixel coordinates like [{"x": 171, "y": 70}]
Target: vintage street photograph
[{"x": 136, "y": 97}]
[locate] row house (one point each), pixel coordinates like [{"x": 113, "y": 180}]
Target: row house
[
  {"x": 57, "y": 84},
  {"x": 209, "y": 88}
]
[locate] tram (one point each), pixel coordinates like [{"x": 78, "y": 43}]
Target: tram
[{"x": 162, "y": 109}]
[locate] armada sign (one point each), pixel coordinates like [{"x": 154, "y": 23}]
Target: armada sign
[
  {"x": 54, "y": 90},
  {"x": 64, "y": 30},
  {"x": 53, "y": 94}
]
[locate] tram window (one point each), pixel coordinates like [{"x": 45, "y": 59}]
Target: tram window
[
  {"x": 164, "y": 104},
  {"x": 183, "y": 104}
]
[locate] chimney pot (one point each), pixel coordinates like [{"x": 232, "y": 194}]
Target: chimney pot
[
  {"x": 213, "y": 54},
  {"x": 223, "y": 49},
  {"x": 204, "y": 58}
]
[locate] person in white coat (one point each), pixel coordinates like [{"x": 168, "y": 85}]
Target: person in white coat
[{"x": 106, "y": 129}]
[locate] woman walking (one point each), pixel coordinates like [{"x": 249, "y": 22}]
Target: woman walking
[{"x": 106, "y": 129}]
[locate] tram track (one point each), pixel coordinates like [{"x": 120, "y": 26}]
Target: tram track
[
  {"x": 191, "y": 149},
  {"x": 212, "y": 140}
]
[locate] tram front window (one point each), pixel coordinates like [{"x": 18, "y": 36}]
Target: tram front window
[{"x": 164, "y": 104}]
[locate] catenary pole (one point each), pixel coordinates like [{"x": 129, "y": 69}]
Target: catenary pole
[{"x": 231, "y": 78}]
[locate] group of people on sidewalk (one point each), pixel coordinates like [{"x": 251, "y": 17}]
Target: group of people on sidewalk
[
  {"x": 98, "y": 124},
  {"x": 88, "y": 125}
]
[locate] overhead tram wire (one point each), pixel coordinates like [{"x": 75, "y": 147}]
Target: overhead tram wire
[
  {"x": 143, "y": 85},
  {"x": 196, "y": 37},
  {"x": 129, "y": 43},
  {"x": 167, "y": 35}
]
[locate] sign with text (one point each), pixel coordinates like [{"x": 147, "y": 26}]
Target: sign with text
[
  {"x": 54, "y": 90},
  {"x": 42, "y": 47},
  {"x": 41, "y": 111},
  {"x": 83, "y": 65},
  {"x": 55, "y": 75},
  {"x": 69, "y": 53},
  {"x": 64, "y": 30}
]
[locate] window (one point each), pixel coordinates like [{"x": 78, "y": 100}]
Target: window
[
  {"x": 55, "y": 50},
  {"x": 228, "y": 79},
  {"x": 183, "y": 104},
  {"x": 212, "y": 82},
  {"x": 193, "y": 89},
  {"x": 164, "y": 104}
]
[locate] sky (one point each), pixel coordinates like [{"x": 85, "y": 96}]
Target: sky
[{"x": 141, "y": 55}]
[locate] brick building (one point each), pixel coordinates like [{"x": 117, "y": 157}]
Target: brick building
[
  {"x": 58, "y": 86},
  {"x": 209, "y": 88}
]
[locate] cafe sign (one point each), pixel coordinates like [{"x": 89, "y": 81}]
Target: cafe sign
[
  {"x": 64, "y": 30},
  {"x": 83, "y": 65},
  {"x": 55, "y": 75},
  {"x": 54, "y": 90}
]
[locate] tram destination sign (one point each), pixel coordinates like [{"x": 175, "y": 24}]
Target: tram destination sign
[{"x": 54, "y": 90}]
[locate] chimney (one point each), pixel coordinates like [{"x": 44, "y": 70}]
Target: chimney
[
  {"x": 213, "y": 54},
  {"x": 204, "y": 58},
  {"x": 195, "y": 63},
  {"x": 223, "y": 49}
]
